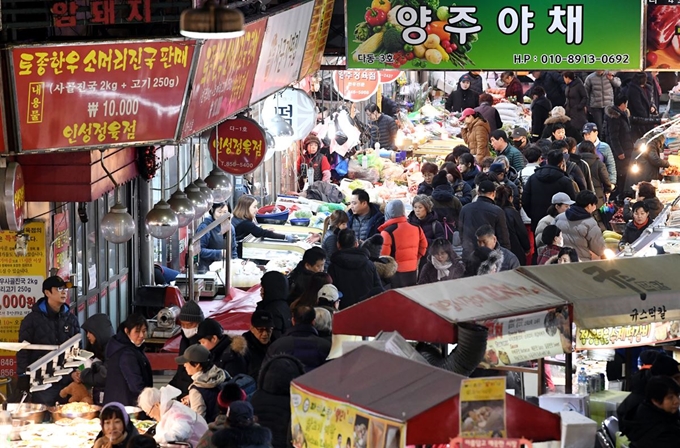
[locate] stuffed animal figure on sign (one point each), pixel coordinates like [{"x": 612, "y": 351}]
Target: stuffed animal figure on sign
[{"x": 78, "y": 393}]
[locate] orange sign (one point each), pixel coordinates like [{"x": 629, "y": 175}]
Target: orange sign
[
  {"x": 356, "y": 85},
  {"x": 389, "y": 75},
  {"x": 318, "y": 35}
]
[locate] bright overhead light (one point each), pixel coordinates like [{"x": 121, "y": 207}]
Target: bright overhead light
[
  {"x": 183, "y": 208},
  {"x": 117, "y": 226},
  {"x": 161, "y": 221},
  {"x": 220, "y": 185},
  {"x": 212, "y": 21}
]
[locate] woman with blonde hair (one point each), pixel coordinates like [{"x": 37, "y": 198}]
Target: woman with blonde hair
[{"x": 243, "y": 220}]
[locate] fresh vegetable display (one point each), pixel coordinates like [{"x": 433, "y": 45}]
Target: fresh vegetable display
[{"x": 382, "y": 37}]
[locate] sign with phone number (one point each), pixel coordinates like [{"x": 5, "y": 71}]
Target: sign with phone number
[
  {"x": 91, "y": 95},
  {"x": 238, "y": 146},
  {"x": 447, "y": 35}
]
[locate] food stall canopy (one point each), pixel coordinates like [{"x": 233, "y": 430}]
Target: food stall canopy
[
  {"x": 423, "y": 396},
  {"x": 428, "y": 312},
  {"x": 621, "y": 291}
]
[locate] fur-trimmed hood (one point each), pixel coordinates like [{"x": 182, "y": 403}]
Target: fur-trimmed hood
[
  {"x": 386, "y": 267},
  {"x": 254, "y": 436},
  {"x": 615, "y": 112},
  {"x": 492, "y": 264},
  {"x": 239, "y": 345},
  {"x": 557, "y": 119}
]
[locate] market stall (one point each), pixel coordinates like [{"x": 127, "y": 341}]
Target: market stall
[{"x": 390, "y": 401}]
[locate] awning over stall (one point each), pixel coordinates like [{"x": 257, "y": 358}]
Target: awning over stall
[
  {"x": 423, "y": 396},
  {"x": 621, "y": 291},
  {"x": 428, "y": 312}
]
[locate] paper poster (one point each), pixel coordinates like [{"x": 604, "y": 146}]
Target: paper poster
[
  {"x": 321, "y": 422},
  {"x": 627, "y": 336},
  {"x": 524, "y": 338},
  {"x": 482, "y": 408}
]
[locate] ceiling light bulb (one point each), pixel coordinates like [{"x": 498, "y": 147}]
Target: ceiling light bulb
[
  {"x": 197, "y": 199},
  {"x": 161, "y": 221},
  {"x": 118, "y": 226},
  {"x": 207, "y": 192},
  {"x": 219, "y": 183},
  {"x": 183, "y": 208},
  {"x": 211, "y": 21}
]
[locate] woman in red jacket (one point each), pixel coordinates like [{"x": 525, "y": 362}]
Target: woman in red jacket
[{"x": 513, "y": 88}]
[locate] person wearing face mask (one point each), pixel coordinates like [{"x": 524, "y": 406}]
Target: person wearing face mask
[
  {"x": 128, "y": 369},
  {"x": 552, "y": 244},
  {"x": 463, "y": 97},
  {"x": 214, "y": 243},
  {"x": 190, "y": 317},
  {"x": 315, "y": 161}
]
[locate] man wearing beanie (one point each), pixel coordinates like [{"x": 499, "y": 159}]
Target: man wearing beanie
[
  {"x": 317, "y": 164},
  {"x": 404, "y": 242},
  {"x": 190, "y": 317},
  {"x": 482, "y": 212},
  {"x": 227, "y": 352},
  {"x": 258, "y": 338}
]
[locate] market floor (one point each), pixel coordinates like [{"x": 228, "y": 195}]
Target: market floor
[{"x": 162, "y": 380}]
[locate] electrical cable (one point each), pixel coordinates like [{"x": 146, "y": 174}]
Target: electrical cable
[{"x": 191, "y": 165}]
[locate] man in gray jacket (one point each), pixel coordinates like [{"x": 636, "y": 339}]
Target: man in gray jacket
[
  {"x": 600, "y": 86},
  {"x": 579, "y": 228}
]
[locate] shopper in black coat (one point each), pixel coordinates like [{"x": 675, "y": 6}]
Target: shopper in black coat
[
  {"x": 553, "y": 84},
  {"x": 271, "y": 401},
  {"x": 543, "y": 184},
  {"x": 639, "y": 103},
  {"x": 227, "y": 352},
  {"x": 463, "y": 97},
  {"x": 517, "y": 231},
  {"x": 540, "y": 112},
  {"x": 50, "y": 322},
  {"x": 657, "y": 422},
  {"x": 482, "y": 212},
  {"x": 97, "y": 328},
  {"x": 259, "y": 339},
  {"x": 427, "y": 220},
  {"x": 190, "y": 317},
  {"x": 240, "y": 430},
  {"x": 128, "y": 369},
  {"x": 274, "y": 292},
  {"x": 576, "y": 100},
  {"x": 352, "y": 271}
]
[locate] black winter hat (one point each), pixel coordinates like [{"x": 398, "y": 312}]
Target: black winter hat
[
  {"x": 275, "y": 286},
  {"x": 209, "y": 328},
  {"x": 373, "y": 245},
  {"x": 191, "y": 312},
  {"x": 550, "y": 233},
  {"x": 665, "y": 366},
  {"x": 440, "y": 179}
]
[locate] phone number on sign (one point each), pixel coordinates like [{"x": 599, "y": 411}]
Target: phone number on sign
[{"x": 571, "y": 59}]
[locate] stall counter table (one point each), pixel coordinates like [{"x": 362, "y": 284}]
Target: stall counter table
[{"x": 603, "y": 404}]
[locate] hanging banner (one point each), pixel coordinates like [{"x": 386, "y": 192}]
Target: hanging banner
[
  {"x": 356, "y": 85},
  {"x": 448, "y": 35},
  {"x": 282, "y": 51},
  {"x": 296, "y": 107},
  {"x": 241, "y": 147},
  {"x": 317, "y": 421},
  {"x": 387, "y": 76},
  {"x": 628, "y": 336},
  {"x": 3, "y": 121},
  {"x": 100, "y": 94},
  {"x": 13, "y": 197},
  {"x": 22, "y": 270},
  {"x": 663, "y": 35},
  {"x": 527, "y": 337},
  {"x": 220, "y": 88},
  {"x": 318, "y": 36},
  {"x": 482, "y": 408},
  {"x": 61, "y": 245}
]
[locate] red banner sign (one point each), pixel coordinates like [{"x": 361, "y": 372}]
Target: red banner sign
[
  {"x": 13, "y": 197},
  {"x": 356, "y": 85},
  {"x": 220, "y": 88},
  {"x": 241, "y": 148},
  {"x": 318, "y": 35},
  {"x": 100, "y": 94}
]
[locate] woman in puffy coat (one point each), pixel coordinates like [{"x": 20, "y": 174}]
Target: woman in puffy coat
[
  {"x": 577, "y": 100},
  {"x": 442, "y": 263},
  {"x": 519, "y": 238},
  {"x": 476, "y": 134},
  {"x": 423, "y": 217},
  {"x": 271, "y": 401},
  {"x": 598, "y": 171}
]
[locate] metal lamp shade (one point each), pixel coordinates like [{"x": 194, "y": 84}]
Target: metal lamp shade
[
  {"x": 183, "y": 208},
  {"x": 118, "y": 226},
  {"x": 161, "y": 221},
  {"x": 198, "y": 199},
  {"x": 207, "y": 192},
  {"x": 220, "y": 185},
  {"x": 211, "y": 21}
]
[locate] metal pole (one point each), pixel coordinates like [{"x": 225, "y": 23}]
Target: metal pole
[{"x": 145, "y": 244}]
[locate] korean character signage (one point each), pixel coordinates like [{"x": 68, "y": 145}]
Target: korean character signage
[
  {"x": 68, "y": 13},
  {"x": 296, "y": 107},
  {"x": 663, "y": 35},
  {"x": 100, "y": 94},
  {"x": 447, "y": 35},
  {"x": 282, "y": 50},
  {"x": 238, "y": 146},
  {"x": 490, "y": 443},
  {"x": 387, "y": 76},
  {"x": 221, "y": 88},
  {"x": 318, "y": 35},
  {"x": 356, "y": 85}
]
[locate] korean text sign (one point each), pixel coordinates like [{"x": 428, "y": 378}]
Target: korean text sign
[
  {"x": 21, "y": 280},
  {"x": 238, "y": 146},
  {"x": 318, "y": 35},
  {"x": 447, "y": 35},
  {"x": 221, "y": 87},
  {"x": 101, "y": 94},
  {"x": 482, "y": 408},
  {"x": 282, "y": 50},
  {"x": 320, "y": 422}
]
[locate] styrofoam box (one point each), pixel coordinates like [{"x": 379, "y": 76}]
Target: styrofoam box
[
  {"x": 565, "y": 402},
  {"x": 577, "y": 431}
]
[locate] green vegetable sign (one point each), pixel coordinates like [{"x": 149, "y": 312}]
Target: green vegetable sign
[{"x": 494, "y": 34}]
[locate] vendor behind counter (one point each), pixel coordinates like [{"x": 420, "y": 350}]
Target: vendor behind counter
[
  {"x": 244, "y": 223},
  {"x": 214, "y": 243}
]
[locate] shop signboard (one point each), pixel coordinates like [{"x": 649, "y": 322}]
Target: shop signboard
[
  {"x": 318, "y": 35},
  {"x": 624, "y": 336},
  {"x": 100, "y": 94},
  {"x": 238, "y": 146},
  {"x": 495, "y": 35},
  {"x": 459, "y": 442},
  {"x": 283, "y": 48},
  {"x": 61, "y": 245},
  {"x": 295, "y": 106},
  {"x": 356, "y": 85},
  {"x": 387, "y": 76},
  {"x": 220, "y": 88},
  {"x": 21, "y": 278},
  {"x": 320, "y": 421},
  {"x": 13, "y": 197},
  {"x": 663, "y": 35},
  {"x": 482, "y": 408},
  {"x": 527, "y": 337}
]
